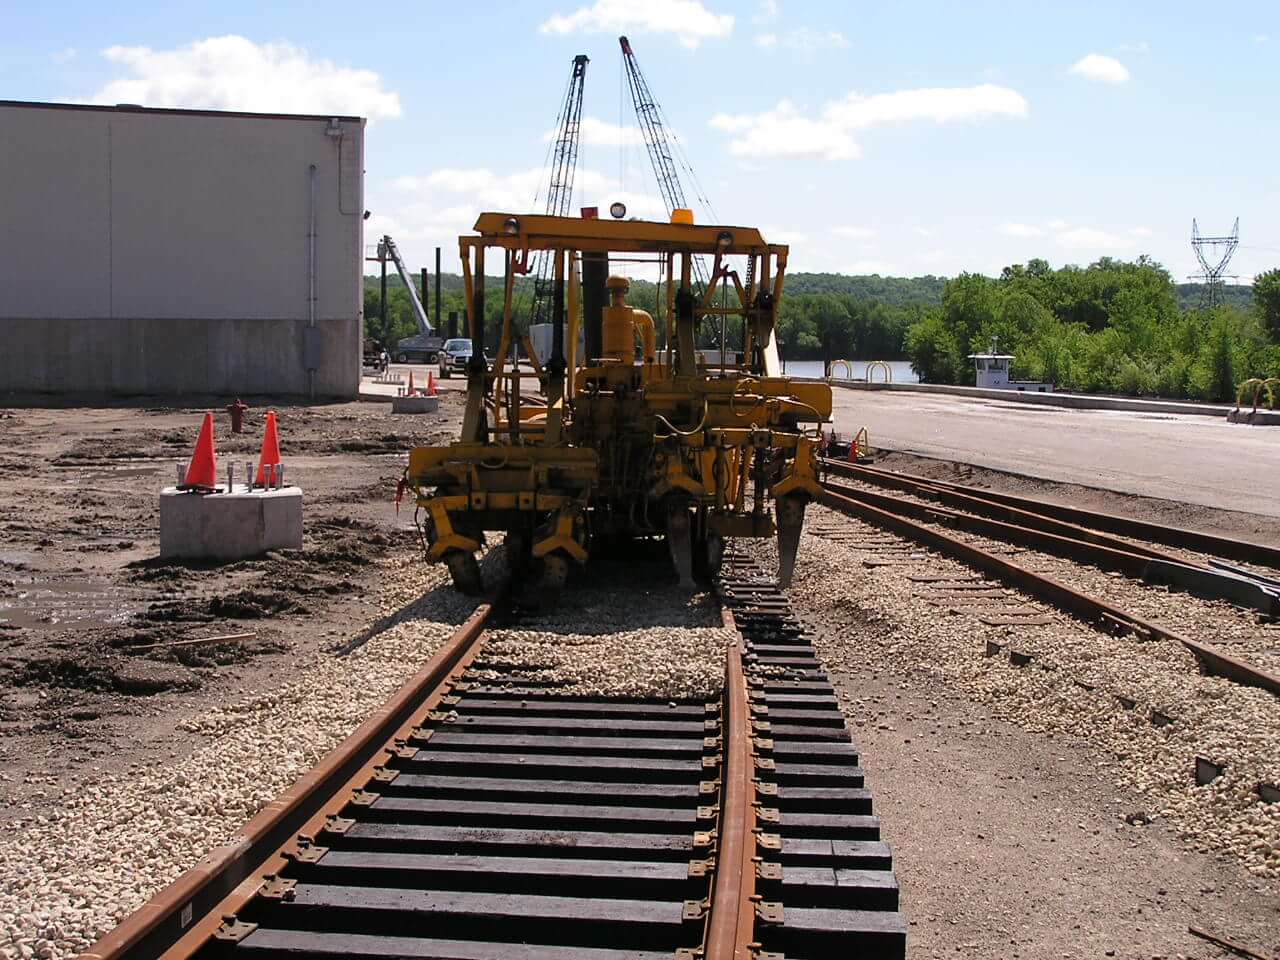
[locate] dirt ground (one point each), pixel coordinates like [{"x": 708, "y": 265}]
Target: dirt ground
[
  {"x": 1008, "y": 844},
  {"x": 82, "y": 590}
]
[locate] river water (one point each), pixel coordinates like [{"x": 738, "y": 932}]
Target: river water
[{"x": 900, "y": 369}]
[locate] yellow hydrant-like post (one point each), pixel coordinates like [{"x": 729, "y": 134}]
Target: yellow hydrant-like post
[{"x": 622, "y": 323}]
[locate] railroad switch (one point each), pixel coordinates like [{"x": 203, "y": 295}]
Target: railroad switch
[{"x": 233, "y": 931}]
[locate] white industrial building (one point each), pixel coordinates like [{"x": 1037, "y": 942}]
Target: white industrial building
[{"x": 172, "y": 252}]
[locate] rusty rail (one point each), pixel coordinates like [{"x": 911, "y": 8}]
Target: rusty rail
[
  {"x": 1228, "y": 548},
  {"x": 730, "y": 930},
  {"x": 1091, "y": 609},
  {"x": 183, "y": 911}
]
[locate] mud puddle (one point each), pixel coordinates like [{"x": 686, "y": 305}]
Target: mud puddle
[{"x": 40, "y": 602}]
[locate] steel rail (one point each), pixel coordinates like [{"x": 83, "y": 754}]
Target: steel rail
[
  {"x": 1128, "y": 560},
  {"x": 731, "y": 927},
  {"x": 1228, "y": 548},
  {"x": 182, "y": 915},
  {"x": 1092, "y": 609}
]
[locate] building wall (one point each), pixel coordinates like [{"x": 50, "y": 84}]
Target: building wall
[{"x": 167, "y": 252}]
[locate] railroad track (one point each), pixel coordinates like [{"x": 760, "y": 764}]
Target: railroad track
[
  {"x": 1142, "y": 550},
  {"x": 919, "y": 522},
  {"x": 476, "y": 818}
]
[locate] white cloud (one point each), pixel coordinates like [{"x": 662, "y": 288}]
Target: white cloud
[
  {"x": 1057, "y": 224},
  {"x": 1019, "y": 230},
  {"x": 689, "y": 20},
  {"x": 1100, "y": 69},
  {"x": 923, "y": 231},
  {"x": 1088, "y": 238},
  {"x": 1260, "y": 38},
  {"x": 1140, "y": 232},
  {"x": 804, "y": 39},
  {"x": 65, "y": 55},
  {"x": 854, "y": 233},
  {"x": 782, "y": 132},
  {"x": 932, "y": 256},
  {"x": 233, "y": 73},
  {"x": 767, "y": 10},
  {"x": 600, "y": 133},
  {"x": 785, "y": 132},
  {"x": 1140, "y": 47}
]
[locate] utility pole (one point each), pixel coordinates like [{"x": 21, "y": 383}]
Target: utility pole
[
  {"x": 424, "y": 292},
  {"x": 425, "y": 298}
]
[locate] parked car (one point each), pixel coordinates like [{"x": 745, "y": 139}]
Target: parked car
[
  {"x": 421, "y": 346},
  {"x": 374, "y": 356},
  {"x": 454, "y": 357}
]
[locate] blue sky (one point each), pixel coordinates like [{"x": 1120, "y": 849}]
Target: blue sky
[{"x": 901, "y": 138}]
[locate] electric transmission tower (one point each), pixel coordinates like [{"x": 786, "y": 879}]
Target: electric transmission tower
[{"x": 1214, "y": 254}]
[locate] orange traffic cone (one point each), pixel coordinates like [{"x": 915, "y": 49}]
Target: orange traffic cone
[
  {"x": 431, "y": 384},
  {"x": 270, "y": 451},
  {"x": 411, "y": 391},
  {"x": 853, "y": 450},
  {"x": 202, "y": 471}
]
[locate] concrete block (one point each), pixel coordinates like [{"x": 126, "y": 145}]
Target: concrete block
[
  {"x": 415, "y": 404},
  {"x": 229, "y": 526}
]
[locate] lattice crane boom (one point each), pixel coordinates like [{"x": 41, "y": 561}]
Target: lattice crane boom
[
  {"x": 655, "y": 135},
  {"x": 564, "y": 166}
]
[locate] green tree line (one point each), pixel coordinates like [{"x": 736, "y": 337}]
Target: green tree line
[{"x": 1112, "y": 326}]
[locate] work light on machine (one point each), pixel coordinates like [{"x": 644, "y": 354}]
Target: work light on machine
[
  {"x": 511, "y": 226},
  {"x": 724, "y": 239},
  {"x": 617, "y": 209}
]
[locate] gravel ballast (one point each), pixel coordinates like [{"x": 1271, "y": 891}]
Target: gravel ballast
[
  {"x": 71, "y": 871},
  {"x": 1070, "y": 687}
]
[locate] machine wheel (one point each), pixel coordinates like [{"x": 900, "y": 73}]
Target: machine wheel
[
  {"x": 542, "y": 592},
  {"x": 464, "y": 568},
  {"x": 519, "y": 548},
  {"x": 708, "y": 553}
]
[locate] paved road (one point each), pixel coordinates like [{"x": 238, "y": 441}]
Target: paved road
[{"x": 1200, "y": 460}]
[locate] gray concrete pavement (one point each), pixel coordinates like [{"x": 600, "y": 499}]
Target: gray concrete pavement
[{"x": 1192, "y": 459}]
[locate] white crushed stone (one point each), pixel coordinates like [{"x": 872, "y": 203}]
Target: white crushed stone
[
  {"x": 651, "y": 641},
  {"x": 70, "y": 874},
  {"x": 890, "y": 620}
]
